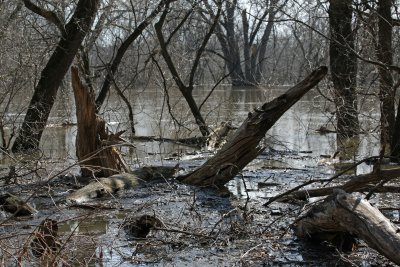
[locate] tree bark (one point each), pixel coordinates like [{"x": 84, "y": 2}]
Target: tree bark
[
  {"x": 343, "y": 66},
  {"x": 94, "y": 148},
  {"x": 244, "y": 144},
  {"x": 386, "y": 89},
  {"x": 345, "y": 213},
  {"x": 51, "y": 77}
]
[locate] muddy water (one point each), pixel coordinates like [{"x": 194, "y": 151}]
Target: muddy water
[
  {"x": 295, "y": 131},
  {"x": 200, "y": 227}
]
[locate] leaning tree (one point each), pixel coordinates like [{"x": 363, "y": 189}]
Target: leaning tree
[{"x": 72, "y": 35}]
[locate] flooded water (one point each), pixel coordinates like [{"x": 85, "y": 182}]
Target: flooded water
[
  {"x": 295, "y": 131},
  {"x": 200, "y": 227}
]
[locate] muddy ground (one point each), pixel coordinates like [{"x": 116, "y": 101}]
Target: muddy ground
[{"x": 199, "y": 226}]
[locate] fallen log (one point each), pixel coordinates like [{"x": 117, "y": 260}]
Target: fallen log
[
  {"x": 360, "y": 183},
  {"x": 344, "y": 213},
  {"x": 108, "y": 186},
  {"x": 244, "y": 145},
  {"x": 198, "y": 142}
]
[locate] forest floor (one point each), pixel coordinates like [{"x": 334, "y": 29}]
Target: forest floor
[{"x": 199, "y": 226}]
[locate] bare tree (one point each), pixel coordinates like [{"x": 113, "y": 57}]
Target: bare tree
[
  {"x": 257, "y": 25},
  {"x": 386, "y": 89},
  {"x": 45, "y": 92},
  {"x": 343, "y": 66},
  {"x": 186, "y": 89}
]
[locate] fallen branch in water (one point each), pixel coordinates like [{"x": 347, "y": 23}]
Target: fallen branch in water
[{"x": 360, "y": 183}]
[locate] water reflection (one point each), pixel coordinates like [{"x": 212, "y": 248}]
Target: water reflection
[{"x": 296, "y": 130}]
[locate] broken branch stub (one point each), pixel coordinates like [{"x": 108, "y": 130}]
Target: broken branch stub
[{"x": 244, "y": 145}]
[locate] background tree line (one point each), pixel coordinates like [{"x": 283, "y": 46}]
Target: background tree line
[{"x": 122, "y": 45}]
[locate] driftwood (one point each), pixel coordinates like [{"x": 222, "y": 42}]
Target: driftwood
[
  {"x": 244, "y": 145},
  {"x": 107, "y": 186},
  {"x": 344, "y": 213},
  {"x": 198, "y": 142},
  {"x": 360, "y": 183},
  {"x": 94, "y": 143}
]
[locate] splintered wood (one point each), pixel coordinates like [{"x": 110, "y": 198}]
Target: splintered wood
[{"x": 94, "y": 142}]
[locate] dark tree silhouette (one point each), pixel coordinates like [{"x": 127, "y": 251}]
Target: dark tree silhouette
[{"x": 51, "y": 77}]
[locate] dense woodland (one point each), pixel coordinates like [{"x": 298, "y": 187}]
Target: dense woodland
[{"x": 102, "y": 49}]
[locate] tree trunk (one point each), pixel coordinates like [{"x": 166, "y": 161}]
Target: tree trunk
[
  {"x": 395, "y": 143},
  {"x": 94, "y": 150},
  {"x": 244, "y": 144},
  {"x": 343, "y": 66},
  {"x": 386, "y": 90},
  {"x": 347, "y": 214},
  {"x": 258, "y": 69},
  {"x": 52, "y": 75},
  {"x": 186, "y": 90},
  {"x": 122, "y": 50}
]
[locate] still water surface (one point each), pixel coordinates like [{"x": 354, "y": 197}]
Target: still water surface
[{"x": 295, "y": 131}]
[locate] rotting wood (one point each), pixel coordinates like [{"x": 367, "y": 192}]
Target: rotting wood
[
  {"x": 220, "y": 135},
  {"x": 345, "y": 213},
  {"x": 101, "y": 187},
  {"x": 244, "y": 145},
  {"x": 94, "y": 142}
]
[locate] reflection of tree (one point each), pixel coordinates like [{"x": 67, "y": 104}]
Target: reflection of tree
[{"x": 84, "y": 234}]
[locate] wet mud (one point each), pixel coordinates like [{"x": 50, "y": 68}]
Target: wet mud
[{"x": 167, "y": 223}]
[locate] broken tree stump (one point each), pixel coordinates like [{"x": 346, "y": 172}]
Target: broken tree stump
[
  {"x": 244, "y": 145},
  {"x": 346, "y": 213},
  {"x": 94, "y": 143}
]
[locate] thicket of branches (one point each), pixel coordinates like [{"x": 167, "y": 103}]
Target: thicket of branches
[{"x": 210, "y": 42}]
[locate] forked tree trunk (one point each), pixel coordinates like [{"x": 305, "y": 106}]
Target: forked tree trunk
[
  {"x": 345, "y": 213},
  {"x": 244, "y": 145},
  {"x": 94, "y": 148}
]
